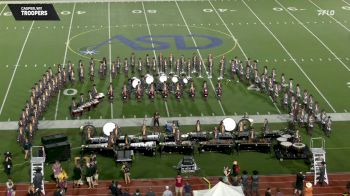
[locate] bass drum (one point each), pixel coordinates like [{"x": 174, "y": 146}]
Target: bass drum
[
  {"x": 149, "y": 79},
  {"x": 135, "y": 81},
  {"x": 244, "y": 125}
]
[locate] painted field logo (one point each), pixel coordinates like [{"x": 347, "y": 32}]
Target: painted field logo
[{"x": 161, "y": 42}]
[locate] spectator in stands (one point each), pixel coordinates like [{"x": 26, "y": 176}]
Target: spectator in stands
[
  {"x": 227, "y": 173},
  {"x": 308, "y": 189},
  {"x": 113, "y": 188},
  {"x": 255, "y": 183},
  {"x": 150, "y": 192},
  {"x": 179, "y": 184},
  {"x": 126, "y": 171},
  {"x": 26, "y": 146},
  {"x": 244, "y": 180},
  {"x": 137, "y": 193},
  {"x": 278, "y": 192},
  {"x": 187, "y": 189},
  {"x": 268, "y": 192},
  {"x": 167, "y": 192},
  {"x": 56, "y": 169}
]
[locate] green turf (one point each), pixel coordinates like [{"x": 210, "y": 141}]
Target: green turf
[
  {"x": 46, "y": 45},
  {"x": 162, "y": 166}
]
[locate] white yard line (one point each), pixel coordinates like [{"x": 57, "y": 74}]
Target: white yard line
[
  {"x": 16, "y": 66},
  {"x": 330, "y": 16},
  {"x": 235, "y": 40},
  {"x": 3, "y": 9},
  {"x": 290, "y": 55},
  {"x": 302, "y": 24},
  {"x": 195, "y": 44},
  {"x": 65, "y": 56},
  {"x": 110, "y": 50},
  {"x": 346, "y": 2},
  {"x": 154, "y": 51}
]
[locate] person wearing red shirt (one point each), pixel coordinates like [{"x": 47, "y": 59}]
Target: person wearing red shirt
[{"x": 179, "y": 183}]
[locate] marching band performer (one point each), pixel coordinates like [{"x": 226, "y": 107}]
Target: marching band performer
[
  {"x": 81, "y": 71},
  {"x": 148, "y": 63},
  {"x": 189, "y": 67},
  {"x": 113, "y": 70},
  {"x": 165, "y": 91},
  {"x": 178, "y": 92},
  {"x": 126, "y": 67},
  {"x": 94, "y": 91},
  {"x": 110, "y": 92},
  {"x": 290, "y": 87},
  {"x": 240, "y": 72},
  {"x": 144, "y": 130},
  {"x": 116, "y": 133},
  {"x": 177, "y": 136},
  {"x": 285, "y": 100},
  {"x": 182, "y": 64},
  {"x": 311, "y": 121},
  {"x": 222, "y": 68},
  {"x": 297, "y": 136},
  {"x": 118, "y": 64},
  {"x": 132, "y": 63},
  {"x": 219, "y": 89},
  {"x": 139, "y": 66},
  {"x": 64, "y": 76},
  {"x": 257, "y": 79},
  {"x": 210, "y": 65},
  {"x": 194, "y": 62},
  {"x": 165, "y": 65},
  {"x": 216, "y": 133},
  {"x": 283, "y": 81},
  {"x": 90, "y": 95},
  {"x": 154, "y": 65},
  {"x": 70, "y": 70},
  {"x": 273, "y": 75},
  {"x": 171, "y": 62},
  {"x": 298, "y": 92},
  {"x": 177, "y": 64},
  {"x": 81, "y": 99},
  {"x": 160, "y": 63},
  {"x": 205, "y": 89},
  {"x": 198, "y": 126},
  {"x": 125, "y": 93},
  {"x": 192, "y": 90},
  {"x": 151, "y": 91},
  {"x": 311, "y": 103},
  {"x": 138, "y": 92},
  {"x": 317, "y": 111},
  {"x": 100, "y": 70},
  {"x": 222, "y": 128},
  {"x": 305, "y": 98},
  {"x": 73, "y": 106},
  {"x": 323, "y": 119}
]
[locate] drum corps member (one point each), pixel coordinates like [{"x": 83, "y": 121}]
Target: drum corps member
[
  {"x": 205, "y": 90},
  {"x": 192, "y": 90},
  {"x": 110, "y": 92}
]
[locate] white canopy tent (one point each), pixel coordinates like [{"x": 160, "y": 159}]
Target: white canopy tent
[{"x": 220, "y": 189}]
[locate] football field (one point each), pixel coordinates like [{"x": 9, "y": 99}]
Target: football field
[{"x": 308, "y": 41}]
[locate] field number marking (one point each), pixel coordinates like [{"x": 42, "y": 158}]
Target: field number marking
[
  {"x": 209, "y": 10},
  {"x": 325, "y": 12},
  {"x": 70, "y": 91},
  {"x": 348, "y": 84},
  {"x": 69, "y": 12},
  {"x": 141, "y": 11},
  {"x": 293, "y": 9},
  {"x": 346, "y": 8}
]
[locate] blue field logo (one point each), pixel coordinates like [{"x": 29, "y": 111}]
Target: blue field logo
[{"x": 160, "y": 42}]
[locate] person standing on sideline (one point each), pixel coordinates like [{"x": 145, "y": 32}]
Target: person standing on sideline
[
  {"x": 179, "y": 183},
  {"x": 321, "y": 178},
  {"x": 187, "y": 189},
  {"x": 126, "y": 171},
  {"x": 268, "y": 192},
  {"x": 26, "y": 146},
  {"x": 167, "y": 192},
  {"x": 299, "y": 184},
  {"x": 255, "y": 183},
  {"x": 244, "y": 180},
  {"x": 156, "y": 117},
  {"x": 235, "y": 169}
]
